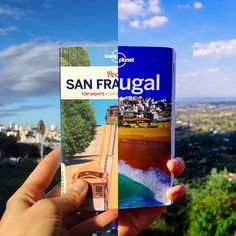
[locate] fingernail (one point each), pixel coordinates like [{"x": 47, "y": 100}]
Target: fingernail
[
  {"x": 172, "y": 193},
  {"x": 177, "y": 163},
  {"x": 79, "y": 186}
]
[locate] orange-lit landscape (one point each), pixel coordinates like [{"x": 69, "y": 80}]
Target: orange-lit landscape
[{"x": 100, "y": 156}]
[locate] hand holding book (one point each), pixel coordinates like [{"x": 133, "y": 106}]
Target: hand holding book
[
  {"x": 30, "y": 212},
  {"x": 33, "y": 213},
  {"x": 134, "y": 221}
]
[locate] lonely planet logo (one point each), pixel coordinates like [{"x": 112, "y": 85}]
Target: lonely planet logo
[
  {"x": 113, "y": 56},
  {"x": 119, "y": 57},
  {"x": 122, "y": 59}
]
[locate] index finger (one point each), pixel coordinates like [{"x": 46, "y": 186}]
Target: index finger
[{"x": 45, "y": 171}]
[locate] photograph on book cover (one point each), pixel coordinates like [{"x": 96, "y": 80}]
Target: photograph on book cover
[
  {"x": 89, "y": 116},
  {"x": 146, "y": 125}
]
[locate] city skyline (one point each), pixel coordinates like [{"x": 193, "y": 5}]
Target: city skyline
[
  {"x": 204, "y": 40},
  {"x": 15, "y": 125}
]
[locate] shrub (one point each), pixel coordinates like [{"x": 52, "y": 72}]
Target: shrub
[{"x": 212, "y": 207}]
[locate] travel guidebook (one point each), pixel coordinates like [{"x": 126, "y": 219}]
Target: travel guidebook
[
  {"x": 117, "y": 115},
  {"x": 146, "y": 125},
  {"x": 89, "y": 123}
]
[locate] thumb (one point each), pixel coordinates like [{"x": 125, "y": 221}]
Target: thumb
[{"x": 72, "y": 199}]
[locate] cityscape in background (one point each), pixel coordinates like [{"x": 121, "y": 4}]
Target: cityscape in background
[
  {"x": 192, "y": 114},
  {"x": 30, "y": 135}
]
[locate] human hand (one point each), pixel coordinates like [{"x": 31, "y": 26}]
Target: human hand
[
  {"x": 134, "y": 221},
  {"x": 30, "y": 212}
]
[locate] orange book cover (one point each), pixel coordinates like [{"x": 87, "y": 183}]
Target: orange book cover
[{"x": 89, "y": 121}]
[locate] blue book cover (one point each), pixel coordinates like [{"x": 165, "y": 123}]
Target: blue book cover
[{"x": 146, "y": 125}]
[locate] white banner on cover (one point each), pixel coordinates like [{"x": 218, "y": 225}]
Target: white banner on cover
[{"x": 89, "y": 82}]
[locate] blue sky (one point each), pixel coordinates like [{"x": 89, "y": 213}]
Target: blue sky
[
  {"x": 100, "y": 108},
  {"x": 203, "y": 34},
  {"x": 30, "y": 34}
]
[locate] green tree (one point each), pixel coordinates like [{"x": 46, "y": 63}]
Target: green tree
[
  {"x": 7, "y": 145},
  {"x": 74, "y": 56},
  {"x": 10, "y": 147},
  {"x": 213, "y": 207},
  {"x": 78, "y": 126}
]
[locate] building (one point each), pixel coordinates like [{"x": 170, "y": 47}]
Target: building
[
  {"x": 131, "y": 108},
  {"x": 97, "y": 180},
  {"x": 12, "y": 125},
  {"x": 112, "y": 115}
]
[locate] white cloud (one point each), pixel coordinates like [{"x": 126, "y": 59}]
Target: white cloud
[
  {"x": 19, "y": 109},
  {"x": 215, "y": 49},
  {"x": 141, "y": 13},
  {"x": 154, "y": 6},
  {"x": 155, "y": 21},
  {"x": 9, "y": 11},
  {"x": 198, "y": 5},
  {"x": 6, "y": 11},
  {"x": 31, "y": 69},
  {"x": 185, "y": 6},
  {"x": 47, "y": 5},
  {"x": 134, "y": 8},
  {"x": 5, "y": 31},
  {"x": 122, "y": 29},
  {"x": 135, "y": 24},
  {"x": 187, "y": 75},
  {"x": 212, "y": 70},
  {"x": 128, "y": 8},
  {"x": 226, "y": 79}
]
